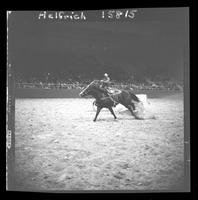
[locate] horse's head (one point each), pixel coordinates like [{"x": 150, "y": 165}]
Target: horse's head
[{"x": 89, "y": 89}]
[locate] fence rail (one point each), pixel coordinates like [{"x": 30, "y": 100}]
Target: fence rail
[
  {"x": 52, "y": 85},
  {"x": 81, "y": 86},
  {"x": 46, "y": 85}
]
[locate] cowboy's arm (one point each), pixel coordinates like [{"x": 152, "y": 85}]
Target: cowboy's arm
[{"x": 107, "y": 80}]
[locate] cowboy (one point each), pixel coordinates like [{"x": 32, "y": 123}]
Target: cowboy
[
  {"x": 105, "y": 84},
  {"x": 105, "y": 81}
]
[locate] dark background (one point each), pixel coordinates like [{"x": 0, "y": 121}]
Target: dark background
[{"x": 154, "y": 43}]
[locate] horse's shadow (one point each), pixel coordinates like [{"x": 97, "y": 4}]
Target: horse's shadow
[
  {"x": 128, "y": 118},
  {"x": 115, "y": 120},
  {"x": 124, "y": 112},
  {"x": 107, "y": 120}
]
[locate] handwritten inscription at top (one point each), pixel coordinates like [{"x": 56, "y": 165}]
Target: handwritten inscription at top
[
  {"x": 82, "y": 15},
  {"x": 62, "y": 15},
  {"x": 118, "y": 14}
]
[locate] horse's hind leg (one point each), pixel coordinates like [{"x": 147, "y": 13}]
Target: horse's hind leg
[
  {"x": 131, "y": 110},
  {"x": 133, "y": 106},
  {"x": 112, "y": 112},
  {"x": 97, "y": 112},
  {"x": 94, "y": 103}
]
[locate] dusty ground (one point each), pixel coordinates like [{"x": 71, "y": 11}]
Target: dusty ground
[{"x": 59, "y": 147}]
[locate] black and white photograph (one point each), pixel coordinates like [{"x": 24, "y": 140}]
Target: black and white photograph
[{"x": 96, "y": 100}]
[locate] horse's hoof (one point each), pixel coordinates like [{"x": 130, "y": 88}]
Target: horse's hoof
[
  {"x": 94, "y": 120},
  {"x": 139, "y": 118}
]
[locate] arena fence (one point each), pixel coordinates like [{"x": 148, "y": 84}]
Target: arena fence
[{"x": 81, "y": 86}]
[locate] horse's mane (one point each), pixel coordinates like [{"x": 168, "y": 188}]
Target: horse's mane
[{"x": 96, "y": 85}]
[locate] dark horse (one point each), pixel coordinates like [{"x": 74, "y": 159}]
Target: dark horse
[{"x": 104, "y": 100}]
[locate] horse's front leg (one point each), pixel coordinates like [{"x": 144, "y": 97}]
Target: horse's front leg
[
  {"x": 97, "y": 112},
  {"x": 112, "y": 112}
]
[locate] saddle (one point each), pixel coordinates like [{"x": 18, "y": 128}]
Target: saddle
[{"x": 113, "y": 91}]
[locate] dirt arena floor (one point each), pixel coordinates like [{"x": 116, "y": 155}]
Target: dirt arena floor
[{"x": 59, "y": 147}]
